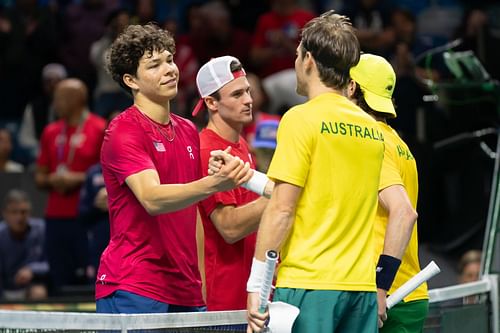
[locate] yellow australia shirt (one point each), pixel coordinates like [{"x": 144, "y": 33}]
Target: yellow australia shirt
[
  {"x": 334, "y": 151},
  {"x": 399, "y": 168}
]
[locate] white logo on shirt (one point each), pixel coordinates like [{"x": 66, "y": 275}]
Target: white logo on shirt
[
  {"x": 101, "y": 278},
  {"x": 190, "y": 151}
]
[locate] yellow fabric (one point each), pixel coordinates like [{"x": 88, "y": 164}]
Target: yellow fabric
[
  {"x": 399, "y": 168},
  {"x": 334, "y": 151}
]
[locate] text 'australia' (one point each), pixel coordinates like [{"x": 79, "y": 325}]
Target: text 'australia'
[{"x": 351, "y": 130}]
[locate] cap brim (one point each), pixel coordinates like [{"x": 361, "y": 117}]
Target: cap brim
[
  {"x": 198, "y": 107},
  {"x": 379, "y": 103}
]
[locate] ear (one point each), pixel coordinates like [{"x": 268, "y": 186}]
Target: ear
[
  {"x": 351, "y": 88},
  {"x": 129, "y": 80},
  {"x": 211, "y": 103},
  {"x": 308, "y": 61}
]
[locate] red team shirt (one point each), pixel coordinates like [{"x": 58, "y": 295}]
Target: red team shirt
[
  {"x": 227, "y": 266},
  {"x": 152, "y": 256},
  {"x": 54, "y": 150},
  {"x": 271, "y": 23}
]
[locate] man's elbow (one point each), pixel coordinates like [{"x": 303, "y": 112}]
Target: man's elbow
[
  {"x": 410, "y": 216},
  {"x": 151, "y": 207},
  {"x": 230, "y": 236}
]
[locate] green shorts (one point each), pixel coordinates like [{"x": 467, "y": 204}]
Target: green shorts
[
  {"x": 406, "y": 317},
  {"x": 331, "y": 310}
]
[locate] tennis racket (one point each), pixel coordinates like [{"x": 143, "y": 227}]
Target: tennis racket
[{"x": 424, "y": 275}]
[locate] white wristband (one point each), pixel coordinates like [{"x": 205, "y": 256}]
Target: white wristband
[
  {"x": 254, "y": 283},
  {"x": 257, "y": 183}
]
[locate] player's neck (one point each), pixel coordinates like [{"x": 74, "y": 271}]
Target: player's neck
[
  {"x": 225, "y": 130},
  {"x": 158, "y": 112},
  {"x": 319, "y": 89}
]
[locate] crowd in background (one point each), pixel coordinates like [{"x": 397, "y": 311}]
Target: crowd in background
[{"x": 46, "y": 42}]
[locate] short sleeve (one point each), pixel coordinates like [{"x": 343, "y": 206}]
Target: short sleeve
[
  {"x": 123, "y": 151},
  {"x": 292, "y": 157},
  {"x": 389, "y": 175}
]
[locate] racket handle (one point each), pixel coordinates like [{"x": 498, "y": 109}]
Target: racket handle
[
  {"x": 428, "y": 272},
  {"x": 267, "y": 280}
]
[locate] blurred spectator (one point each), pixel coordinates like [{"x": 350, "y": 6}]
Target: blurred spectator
[
  {"x": 280, "y": 88},
  {"x": 84, "y": 23},
  {"x": 438, "y": 20},
  {"x": 28, "y": 41},
  {"x": 93, "y": 213},
  {"x": 23, "y": 264},
  {"x": 188, "y": 65},
  {"x": 222, "y": 38},
  {"x": 68, "y": 148},
  {"x": 372, "y": 22},
  {"x": 6, "y": 165},
  {"x": 469, "y": 266},
  {"x": 276, "y": 37},
  {"x": 259, "y": 105},
  {"x": 143, "y": 11},
  {"x": 477, "y": 35},
  {"x": 264, "y": 142},
  {"x": 108, "y": 95},
  {"x": 40, "y": 112}
]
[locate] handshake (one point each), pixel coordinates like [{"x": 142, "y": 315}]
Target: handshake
[{"x": 258, "y": 183}]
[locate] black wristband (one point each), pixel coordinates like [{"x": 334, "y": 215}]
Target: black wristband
[{"x": 387, "y": 268}]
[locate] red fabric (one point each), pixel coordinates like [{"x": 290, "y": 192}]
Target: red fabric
[
  {"x": 227, "y": 266},
  {"x": 153, "y": 256},
  {"x": 86, "y": 154},
  {"x": 268, "y": 25}
]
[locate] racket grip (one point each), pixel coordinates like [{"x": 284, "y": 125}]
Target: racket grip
[
  {"x": 428, "y": 272},
  {"x": 267, "y": 280}
]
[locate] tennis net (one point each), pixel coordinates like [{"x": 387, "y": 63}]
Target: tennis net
[
  {"x": 465, "y": 308},
  {"x": 199, "y": 322}
]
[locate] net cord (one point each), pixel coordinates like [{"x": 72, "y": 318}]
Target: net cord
[{"x": 98, "y": 321}]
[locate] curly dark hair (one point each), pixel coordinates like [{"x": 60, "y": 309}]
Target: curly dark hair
[
  {"x": 124, "y": 54},
  {"x": 335, "y": 48}
]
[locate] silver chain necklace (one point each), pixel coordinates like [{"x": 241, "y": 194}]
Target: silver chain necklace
[{"x": 164, "y": 132}]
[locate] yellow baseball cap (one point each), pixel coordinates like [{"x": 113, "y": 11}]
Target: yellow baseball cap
[{"x": 377, "y": 80}]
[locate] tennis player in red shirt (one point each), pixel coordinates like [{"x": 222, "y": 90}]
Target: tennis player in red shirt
[
  {"x": 151, "y": 167},
  {"x": 231, "y": 218}
]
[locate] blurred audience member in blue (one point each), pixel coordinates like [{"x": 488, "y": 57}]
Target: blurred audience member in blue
[
  {"x": 264, "y": 142},
  {"x": 68, "y": 148},
  {"x": 84, "y": 22},
  {"x": 438, "y": 20},
  {"x": 28, "y": 41},
  {"x": 108, "y": 95},
  {"x": 23, "y": 264},
  {"x": 372, "y": 21},
  {"x": 93, "y": 213},
  {"x": 276, "y": 37},
  {"x": 39, "y": 112},
  {"x": 6, "y": 164}
]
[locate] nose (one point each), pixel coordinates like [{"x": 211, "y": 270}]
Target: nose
[
  {"x": 170, "y": 68},
  {"x": 248, "y": 98}
]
